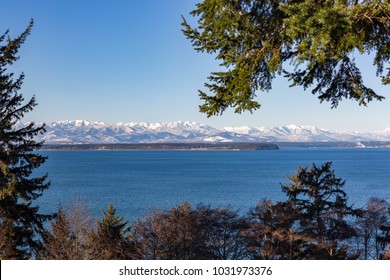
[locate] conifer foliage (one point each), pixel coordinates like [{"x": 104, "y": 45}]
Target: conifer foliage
[
  {"x": 114, "y": 237},
  {"x": 255, "y": 40},
  {"x": 20, "y": 220},
  {"x": 321, "y": 203}
]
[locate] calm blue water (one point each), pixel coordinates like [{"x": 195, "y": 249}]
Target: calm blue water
[{"x": 139, "y": 181}]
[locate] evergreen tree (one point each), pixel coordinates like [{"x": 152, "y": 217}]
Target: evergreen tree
[
  {"x": 322, "y": 206},
  {"x": 114, "y": 238},
  {"x": 255, "y": 40},
  {"x": 7, "y": 245},
  {"x": 20, "y": 220}
]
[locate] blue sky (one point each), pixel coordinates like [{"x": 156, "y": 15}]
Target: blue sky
[{"x": 122, "y": 61}]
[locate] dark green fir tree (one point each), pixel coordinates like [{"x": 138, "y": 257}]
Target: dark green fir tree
[
  {"x": 20, "y": 220},
  {"x": 321, "y": 204},
  {"x": 312, "y": 43},
  {"x": 114, "y": 237}
]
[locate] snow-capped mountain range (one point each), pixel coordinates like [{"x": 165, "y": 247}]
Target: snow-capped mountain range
[{"x": 78, "y": 132}]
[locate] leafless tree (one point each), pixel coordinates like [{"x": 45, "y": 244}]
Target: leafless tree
[
  {"x": 173, "y": 234},
  {"x": 374, "y": 216},
  {"x": 223, "y": 232},
  {"x": 271, "y": 234},
  {"x": 70, "y": 235},
  {"x": 150, "y": 235}
]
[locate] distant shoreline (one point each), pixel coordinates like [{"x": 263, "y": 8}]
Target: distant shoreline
[
  {"x": 164, "y": 146},
  {"x": 248, "y": 146},
  {"x": 336, "y": 144}
]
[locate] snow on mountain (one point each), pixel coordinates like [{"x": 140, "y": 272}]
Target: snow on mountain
[
  {"x": 380, "y": 135},
  {"x": 64, "y": 132},
  {"x": 215, "y": 139},
  {"x": 186, "y": 129},
  {"x": 81, "y": 131},
  {"x": 295, "y": 133}
]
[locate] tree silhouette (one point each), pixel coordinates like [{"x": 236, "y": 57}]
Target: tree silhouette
[
  {"x": 374, "y": 216},
  {"x": 20, "y": 220},
  {"x": 272, "y": 234},
  {"x": 222, "y": 231},
  {"x": 70, "y": 235},
  {"x": 321, "y": 204},
  {"x": 114, "y": 237}
]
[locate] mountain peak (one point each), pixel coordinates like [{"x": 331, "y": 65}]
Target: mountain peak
[{"x": 82, "y": 131}]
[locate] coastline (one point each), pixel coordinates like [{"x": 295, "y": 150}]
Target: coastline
[
  {"x": 164, "y": 146},
  {"x": 244, "y": 146}
]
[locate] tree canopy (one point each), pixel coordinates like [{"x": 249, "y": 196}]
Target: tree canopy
[
  {"x": 256, "y": 40},
  {"x": 321, "y": 203},
  {"x": 113, "y": 240},
  {"x": 20, "y": 220}
]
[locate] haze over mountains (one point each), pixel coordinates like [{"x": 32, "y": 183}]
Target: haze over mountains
[{"x": 85, "y": 132}]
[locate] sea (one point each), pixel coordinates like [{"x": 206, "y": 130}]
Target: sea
[{"x": 137, "y": 182}]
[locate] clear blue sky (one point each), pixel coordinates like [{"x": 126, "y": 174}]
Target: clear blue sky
[{"x": 124, "y": 60}]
